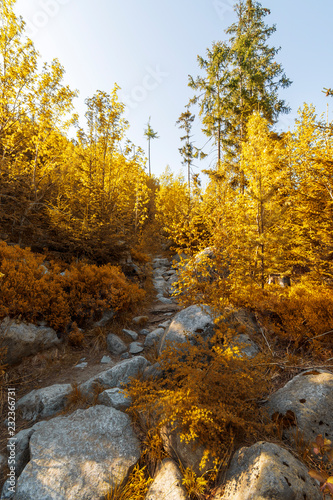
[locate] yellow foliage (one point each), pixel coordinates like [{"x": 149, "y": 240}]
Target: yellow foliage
[
  {"x": 207, "y": 394},
  {"x": 80, "y": 294},
  {"x": 135, "y": 488}
]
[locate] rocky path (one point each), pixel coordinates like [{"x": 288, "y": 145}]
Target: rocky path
[
  {"x": 123, "y": 358},
  {"x": 80, "y": 455}
]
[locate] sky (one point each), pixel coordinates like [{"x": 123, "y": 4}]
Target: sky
[{"x": 149, "y": 47}]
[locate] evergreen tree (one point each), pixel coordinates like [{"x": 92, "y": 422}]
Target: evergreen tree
[
  {"x": 150, "y": 134},
  {"x": 187, "y": 151},
  {"x": 241, "y": 77}
]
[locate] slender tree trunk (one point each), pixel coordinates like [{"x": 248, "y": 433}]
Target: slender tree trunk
[{"x": 149, "y": 156}]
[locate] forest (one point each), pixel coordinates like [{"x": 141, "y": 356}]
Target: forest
[{"x": 80, "y": 209}]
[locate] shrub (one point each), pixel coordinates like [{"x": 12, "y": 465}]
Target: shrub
[
  {"x": 208, "y": 393},
  {"x": 81, "y": 293}
]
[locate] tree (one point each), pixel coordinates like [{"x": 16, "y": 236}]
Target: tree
[
  {"x": 18, "y": 67},
  {"x": 150, "y": 134},
  {"x": 213, "y": 90},
  {"x": 185, "y": 122},
  {"x": 242, "y": 76}
]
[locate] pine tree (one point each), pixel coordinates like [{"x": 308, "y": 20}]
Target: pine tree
[
  {"x": 150, "y": 134},
  {"x": 213, "y": 90},
  {"x": 187, "y": 151},
  {"x": 241, "y": 76}
]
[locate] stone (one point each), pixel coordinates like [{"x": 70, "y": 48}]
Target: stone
[
  {"x": 193, "y": 320},
  {"x": 114, "y": 398},
  {"x": 130, "y": 333},
  {"x": 189, "y": 454},
  {"x": 159, "y": 262},
  {"x": 165, "y": 300},
  {"x": 140, "y": 320},
  {"x": 153, "y": 337},
  {"x": 24, "y": 339},
  {"x": 118, "y": 375},
  {"x": 82, "y": 365},
  {"x": 309, "y": 396},
  {"x": 125, "y": 355},
  {"x": 167, "y": 483},
  {"x": 115, "y": 345},
  {"x": 242, "y": 345},
  {"x": 107, "y": 316},
  {"x": 266, "y": 471},
  {"x": 144, "y": 331},
  {"x": 154, "y": 371},
  {"x": 21, "y": 440},
  {"x": 135, "y": 348},
  {"x": 79, "y": 456},
  {"x": 106, "y": 360},
  {"x": 43, "y": 403},
  {"x": 165, "y": 324}
]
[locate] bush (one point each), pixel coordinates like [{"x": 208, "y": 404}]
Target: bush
[
  {"x": 207, "y": 392},
  {"x": 33, "y": 291}
]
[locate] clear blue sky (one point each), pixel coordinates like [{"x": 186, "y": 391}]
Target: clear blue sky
[{"x": 149, "y": 47}]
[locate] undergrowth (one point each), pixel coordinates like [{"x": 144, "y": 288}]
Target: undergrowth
[
  {"x": 33, "y": 290},
  {"x": 207, "y": 393}
]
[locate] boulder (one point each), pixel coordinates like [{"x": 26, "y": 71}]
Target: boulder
[
  {"x": 193, "y": 320},
  {"x": 116, "y": 376},
  {"x": 154, "y": 337},
  {"x": 21, "y": 453},
  {"x": 167, "y": 483},
  {"x": 80, "y": 456},
  {"x": 24, "y": 339},
  {"x": 309, "y": 396},
  {"x": 114, "y": 398},
  {"x": 43, "y": 403},
  {"x": 115, "y": 344},
  {"x": 266, "y": 471}
]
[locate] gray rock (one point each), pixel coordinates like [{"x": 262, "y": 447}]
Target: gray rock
[
  {"x": 21, "y": 453},
  {"x": 154, "y": 371},
  {"x": 189, "y": 454},
  {"x": 44, "y": 402},
  {"x": 116, "y": 376},
  {"x": 165, "y": 324},
  {"x": 22, "y": 339},
  {"x": 244, "y": 346},
  {"x": 79, "y": 456},
  {"x": 266, "y": 471},
  {"x": 125, "y": 355},
  {"x": 135, "y": 348},
  {"x": 144, "y": 331},
  {"x": 130, "y": 333},
  {"x": 165, "y": 300},
  {"x": 160, "y": 262},
  {"x": 188, "y": 322},
  {"x": 309, "y": 396},
  {"x": 82, "y": 365},
  {"x": 106, "y": 360},
  {"x": 115, "y": 344},
  {"x": 8, "y": 490},
  {"x": 154, "y": 337},
  {"x": 114, "y": 398},
  {"x": 167, "y": 483},
  {"x": 107, "y": 315}
]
